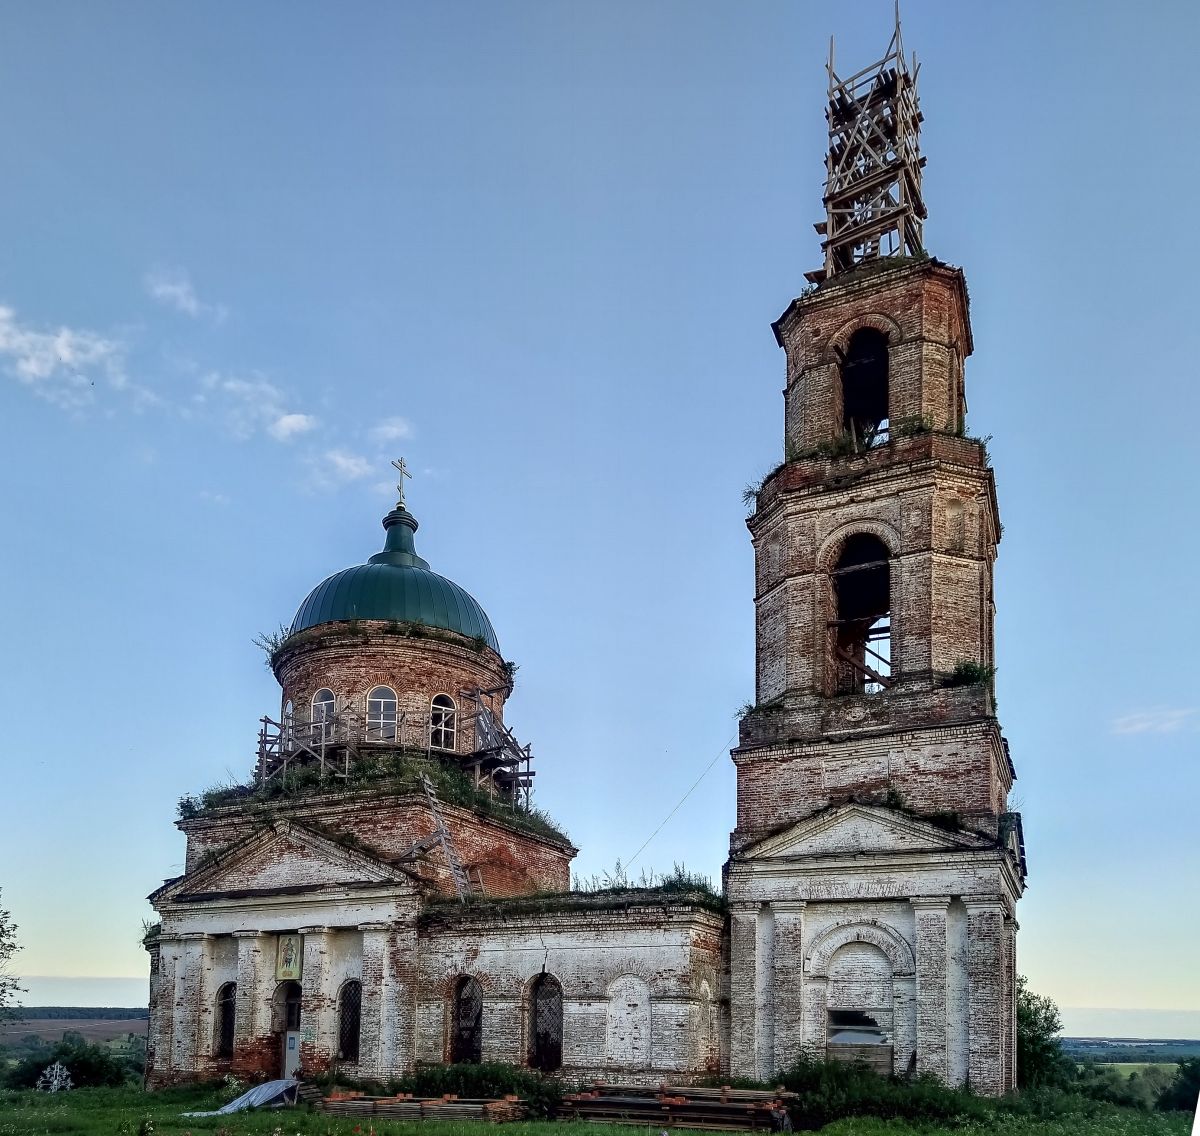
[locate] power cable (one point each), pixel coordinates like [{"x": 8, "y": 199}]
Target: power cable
[{"x": 676, "y": 809}]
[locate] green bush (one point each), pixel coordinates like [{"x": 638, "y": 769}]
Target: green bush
[
  {"x": 89, "y": 1065},
  {"x": 827, "y": 1090},
  {"x": 968, "y": 673}
]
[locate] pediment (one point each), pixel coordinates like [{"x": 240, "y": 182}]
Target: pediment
[
  {"x": 283, "y": 858},
  {"x": 851, "y": 829}
]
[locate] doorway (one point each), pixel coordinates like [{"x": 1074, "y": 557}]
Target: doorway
[{"x": 285, "y": 1021}]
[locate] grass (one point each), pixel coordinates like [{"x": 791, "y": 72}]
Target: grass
[{"x": 124, "y": 1112}]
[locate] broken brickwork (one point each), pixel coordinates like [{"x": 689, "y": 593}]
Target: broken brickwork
[{"x": 875, "y": 867}]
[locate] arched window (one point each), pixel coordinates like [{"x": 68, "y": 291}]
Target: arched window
[
  {"x": 859, "y": 1000},
  {"x": 546, "y": 1024},
  {"x": 861, "y": 630},
  {"x": 349, "y": 1020},
  {"x": 381, "y": 715},
  {"x": 322, "y": 716},
  {"x": 865, "y": 387},
  {"x": 289, "y": 726},
  {"x": 443, "y": 722},
  {"x": 226, "y": 1019},
  {"x": 466, "y": 1025}
]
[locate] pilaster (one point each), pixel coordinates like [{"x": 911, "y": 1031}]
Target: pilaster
[
  {"x": 764, "y": 993},
  {"x": 253, "y": 1041},
  {"x": 192, "y": 996},
  {"x": 985, "y": 978},
  {"x": 930, "y": 916},
  {"x": 788, "y": 982},
  {"x": 318, "y": 1010},
  {"x": 743, "y": 937}
]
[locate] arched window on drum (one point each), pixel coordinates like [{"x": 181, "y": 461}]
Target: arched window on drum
[
  {"x": 443, "y": 723},
  {"x": 322, "y": 717},
  {"x": 382, "y": 707}
]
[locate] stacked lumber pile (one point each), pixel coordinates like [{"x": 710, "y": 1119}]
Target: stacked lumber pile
[
  {"x": 407, "y": 1107},
  {"x": 718, "y": 1110}
]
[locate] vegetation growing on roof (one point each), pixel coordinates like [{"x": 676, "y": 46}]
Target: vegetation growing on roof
[
  {"x": 605, "y": 891},
  {"x": 394, "y": 771}
]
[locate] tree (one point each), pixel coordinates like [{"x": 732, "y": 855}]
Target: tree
[
  {"x": 1184, "y": 1092},
  {"x": 8, "y": 947},
  {"x": 1040, "y": 1059}
]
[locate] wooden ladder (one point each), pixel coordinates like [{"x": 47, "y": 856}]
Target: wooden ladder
[{"x": 462, "y": 883}]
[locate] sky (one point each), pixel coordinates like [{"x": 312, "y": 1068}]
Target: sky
[{"x": 254, "y": 252}]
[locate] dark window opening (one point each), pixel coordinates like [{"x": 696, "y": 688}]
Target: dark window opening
[
  {"x": 546, "y": 1024},
  {"x": 286, "y": 1009},
  {"x": 466, "y": 1031},
  {"x": 854, "y": 1027},
  {"x": 349, "y": 1021},
  {"x": 861, "y": 631},
  {"x": 865, "y": 388},
  {"x": 226, "y": 1019}
]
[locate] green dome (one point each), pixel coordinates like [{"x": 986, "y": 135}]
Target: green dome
[{"x": 396, "y": 584}]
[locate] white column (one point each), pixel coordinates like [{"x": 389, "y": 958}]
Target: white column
[
  {"x": 254, "y": 1045},
  {"x": 192, "y": 1041},
  {"x": 931, "y": 984},
  {"x": 789, "y": 982},
  {"x": 318, "y": 1025},
  {"x": 161, "y": 1033},
  {"x": 764, "y": 993},
  {"x": 742, "y": 988},
  {"x": 377, "y": 1041},
  {"x": 985, "y": 977}
]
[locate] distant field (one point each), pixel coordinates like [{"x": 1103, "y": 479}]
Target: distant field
[{"x": 52, "y": 1029}]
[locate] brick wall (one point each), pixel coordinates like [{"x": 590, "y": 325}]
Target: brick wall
[
  {"x": 510, "y": 862},
  {"x": 350, "y": 660}
]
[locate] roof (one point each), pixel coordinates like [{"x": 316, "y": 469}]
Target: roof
[{"x": 396, "y": 584}]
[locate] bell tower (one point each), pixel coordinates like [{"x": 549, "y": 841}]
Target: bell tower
[{"x": 875, "y": 866}]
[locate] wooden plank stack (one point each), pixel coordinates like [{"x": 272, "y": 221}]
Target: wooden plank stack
[
  {"x": 406, "y": 1106},
  {"x": 682, "y": 1106}
]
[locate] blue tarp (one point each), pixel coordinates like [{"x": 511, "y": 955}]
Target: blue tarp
[{"x": 270, "y": 1094}]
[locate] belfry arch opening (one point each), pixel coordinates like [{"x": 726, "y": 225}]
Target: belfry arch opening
[
  {"x": 861, "y": 629},
  {"x": 864, "y": 370}
]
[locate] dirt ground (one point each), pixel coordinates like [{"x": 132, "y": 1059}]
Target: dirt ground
[{"x": 52, "y": 1029}]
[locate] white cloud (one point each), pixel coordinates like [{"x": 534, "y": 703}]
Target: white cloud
[
  {"x": 212, "y": 498},
  {"x": 1160, "y": 721},
  {"x": 63, "y": 364},
  {"x": 394, "y": 429},
  {"x": 335, "y": 468},
  {"x": 172, "y": 287},
  {"x": 288, "y": 426},
  {"x": 252, "y": 404}
]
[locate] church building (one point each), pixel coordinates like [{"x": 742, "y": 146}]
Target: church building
[{"x": 383, "y": 894}]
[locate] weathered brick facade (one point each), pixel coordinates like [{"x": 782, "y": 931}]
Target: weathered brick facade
[{"x": 875, "y": 867}]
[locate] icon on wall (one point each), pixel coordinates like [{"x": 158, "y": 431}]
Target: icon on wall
[{"x": 289, "y": 960}]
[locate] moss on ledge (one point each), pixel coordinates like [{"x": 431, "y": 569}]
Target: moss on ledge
[
  {"x": 396, "y": 772},
  {"x": 449, "y": 910}
]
